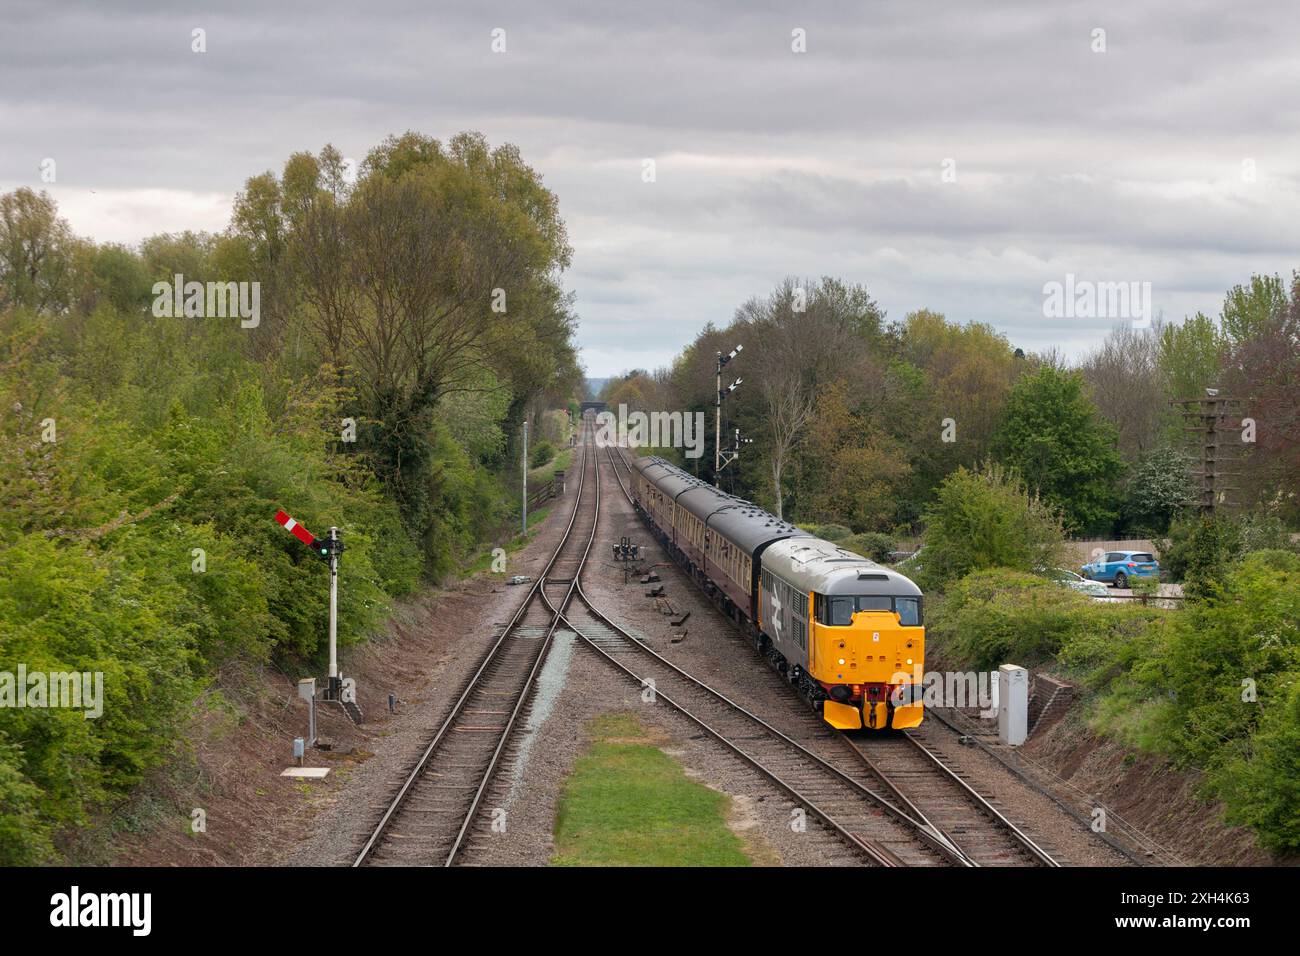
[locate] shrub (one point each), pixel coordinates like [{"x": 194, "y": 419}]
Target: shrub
[
  {"x": 830, "y": 532},
  {"x": 1159, "y": 487},
  {"x": 871, "y": 544},
  {"x": 1000, "y": 615},
  {"x": 542, "y": 453},
  {"x": 986, "y": 519},
  {"x": 1261, "y": 788},
  {"x": 1201, "y": 549},
  {"x": 1215, "y": 687}
]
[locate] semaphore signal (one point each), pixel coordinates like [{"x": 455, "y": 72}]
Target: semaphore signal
[
  {"x": 320, "y": 546},
  {"x": 327, "y": 549}
]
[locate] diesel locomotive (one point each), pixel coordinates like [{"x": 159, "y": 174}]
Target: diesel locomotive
[{"x": 846, "y": 632}]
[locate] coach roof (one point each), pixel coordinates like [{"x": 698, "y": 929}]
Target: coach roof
[{"x": 738, "y": 520}]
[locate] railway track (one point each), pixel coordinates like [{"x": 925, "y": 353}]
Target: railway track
[
  {"x": 430, "y": 818},
  {"x": 980, "y": 831},
  {"x": 883, "y": 833},
  {"x": 916, "y": 787}
]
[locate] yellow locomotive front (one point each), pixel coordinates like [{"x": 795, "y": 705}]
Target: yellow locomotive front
[
  {"x": 867, "y": 653},
  {"x": 847, "y": 633}
]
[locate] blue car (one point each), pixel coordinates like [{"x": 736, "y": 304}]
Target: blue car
[{"x": 1118, "y": 567}]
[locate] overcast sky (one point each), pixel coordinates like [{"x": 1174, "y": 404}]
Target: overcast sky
[{"x": 1125, "y": 165}]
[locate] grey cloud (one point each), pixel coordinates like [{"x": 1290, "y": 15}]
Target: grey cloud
[{"x": 1120, "y": 165}]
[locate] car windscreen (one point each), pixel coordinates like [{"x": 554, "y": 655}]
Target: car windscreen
[{"x": 1142, "y": 558}]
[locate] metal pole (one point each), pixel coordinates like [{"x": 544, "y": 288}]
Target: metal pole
[
  {"x": 717, "y": 423},
  {"x": 525, "y": 469},
  {"x": 334, "y": 608}
]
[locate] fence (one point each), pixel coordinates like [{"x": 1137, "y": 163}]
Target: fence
[
  {"x": 1084, "y": 549},
  {"x": 542, "y": 494}
]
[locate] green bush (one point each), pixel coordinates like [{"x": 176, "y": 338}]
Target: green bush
[
  {"x": 1215, "y": 688},
  {"x": 541, "y": 454},
  {"x": 1199, "y": 549},
  {"x": 65, "y": 609},
  {"x": 871, "y": 544},
  {"x": 141, "y": 544},
  {"x": 1202, "y": 548},
  {"x": 24, "y": 832},
  {"x": 828, "y": 532},
  {"x": 987, "y": 519},
  {"x": 999, "y": 616},
  {"x": 1261, "y": 787}
]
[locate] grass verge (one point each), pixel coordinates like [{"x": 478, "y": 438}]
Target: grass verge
[{"x": 627, "y": 803}]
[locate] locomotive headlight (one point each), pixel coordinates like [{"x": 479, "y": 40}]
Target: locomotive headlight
[
  {"x": 909, "y": 660},
  {"x": 841, "y": 660}
]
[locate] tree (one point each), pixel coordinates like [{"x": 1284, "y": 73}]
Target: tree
[
  {"x": 849, "y": 470},
  {"x": 946, "y": 387},
  {"x": 1159, "y": 487},
  {"x": 810, "y": 334},
  {"x": 1052, "y": 435},
  {"x": 1264, "y": 369},
  {"x": 36, "y": 252},
  {"x": 988, "y": 518},
  {"x": 1189, "y": 357},
  {"x": 1249, "y": 311},
  {"x": 1261, "y": 787},
  {"x": 436, "y": 273},
  {"x": 1124, "y": 384}
]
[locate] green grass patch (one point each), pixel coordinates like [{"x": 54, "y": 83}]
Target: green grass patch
[
  {"x": 627, "y": 803},
  {"x": 544, "y": 473},
  {"x": 484, "y": 561}
]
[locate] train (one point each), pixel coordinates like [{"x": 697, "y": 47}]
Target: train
[{"x": 847, "y": 633}]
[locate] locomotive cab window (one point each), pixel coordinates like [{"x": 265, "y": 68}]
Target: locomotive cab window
[
  {"x": 838, "y": 610},
  {"x": 909, "y": 611}
]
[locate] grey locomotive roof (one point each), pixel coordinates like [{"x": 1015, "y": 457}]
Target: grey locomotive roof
[{"x": 812, "y": 564}]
